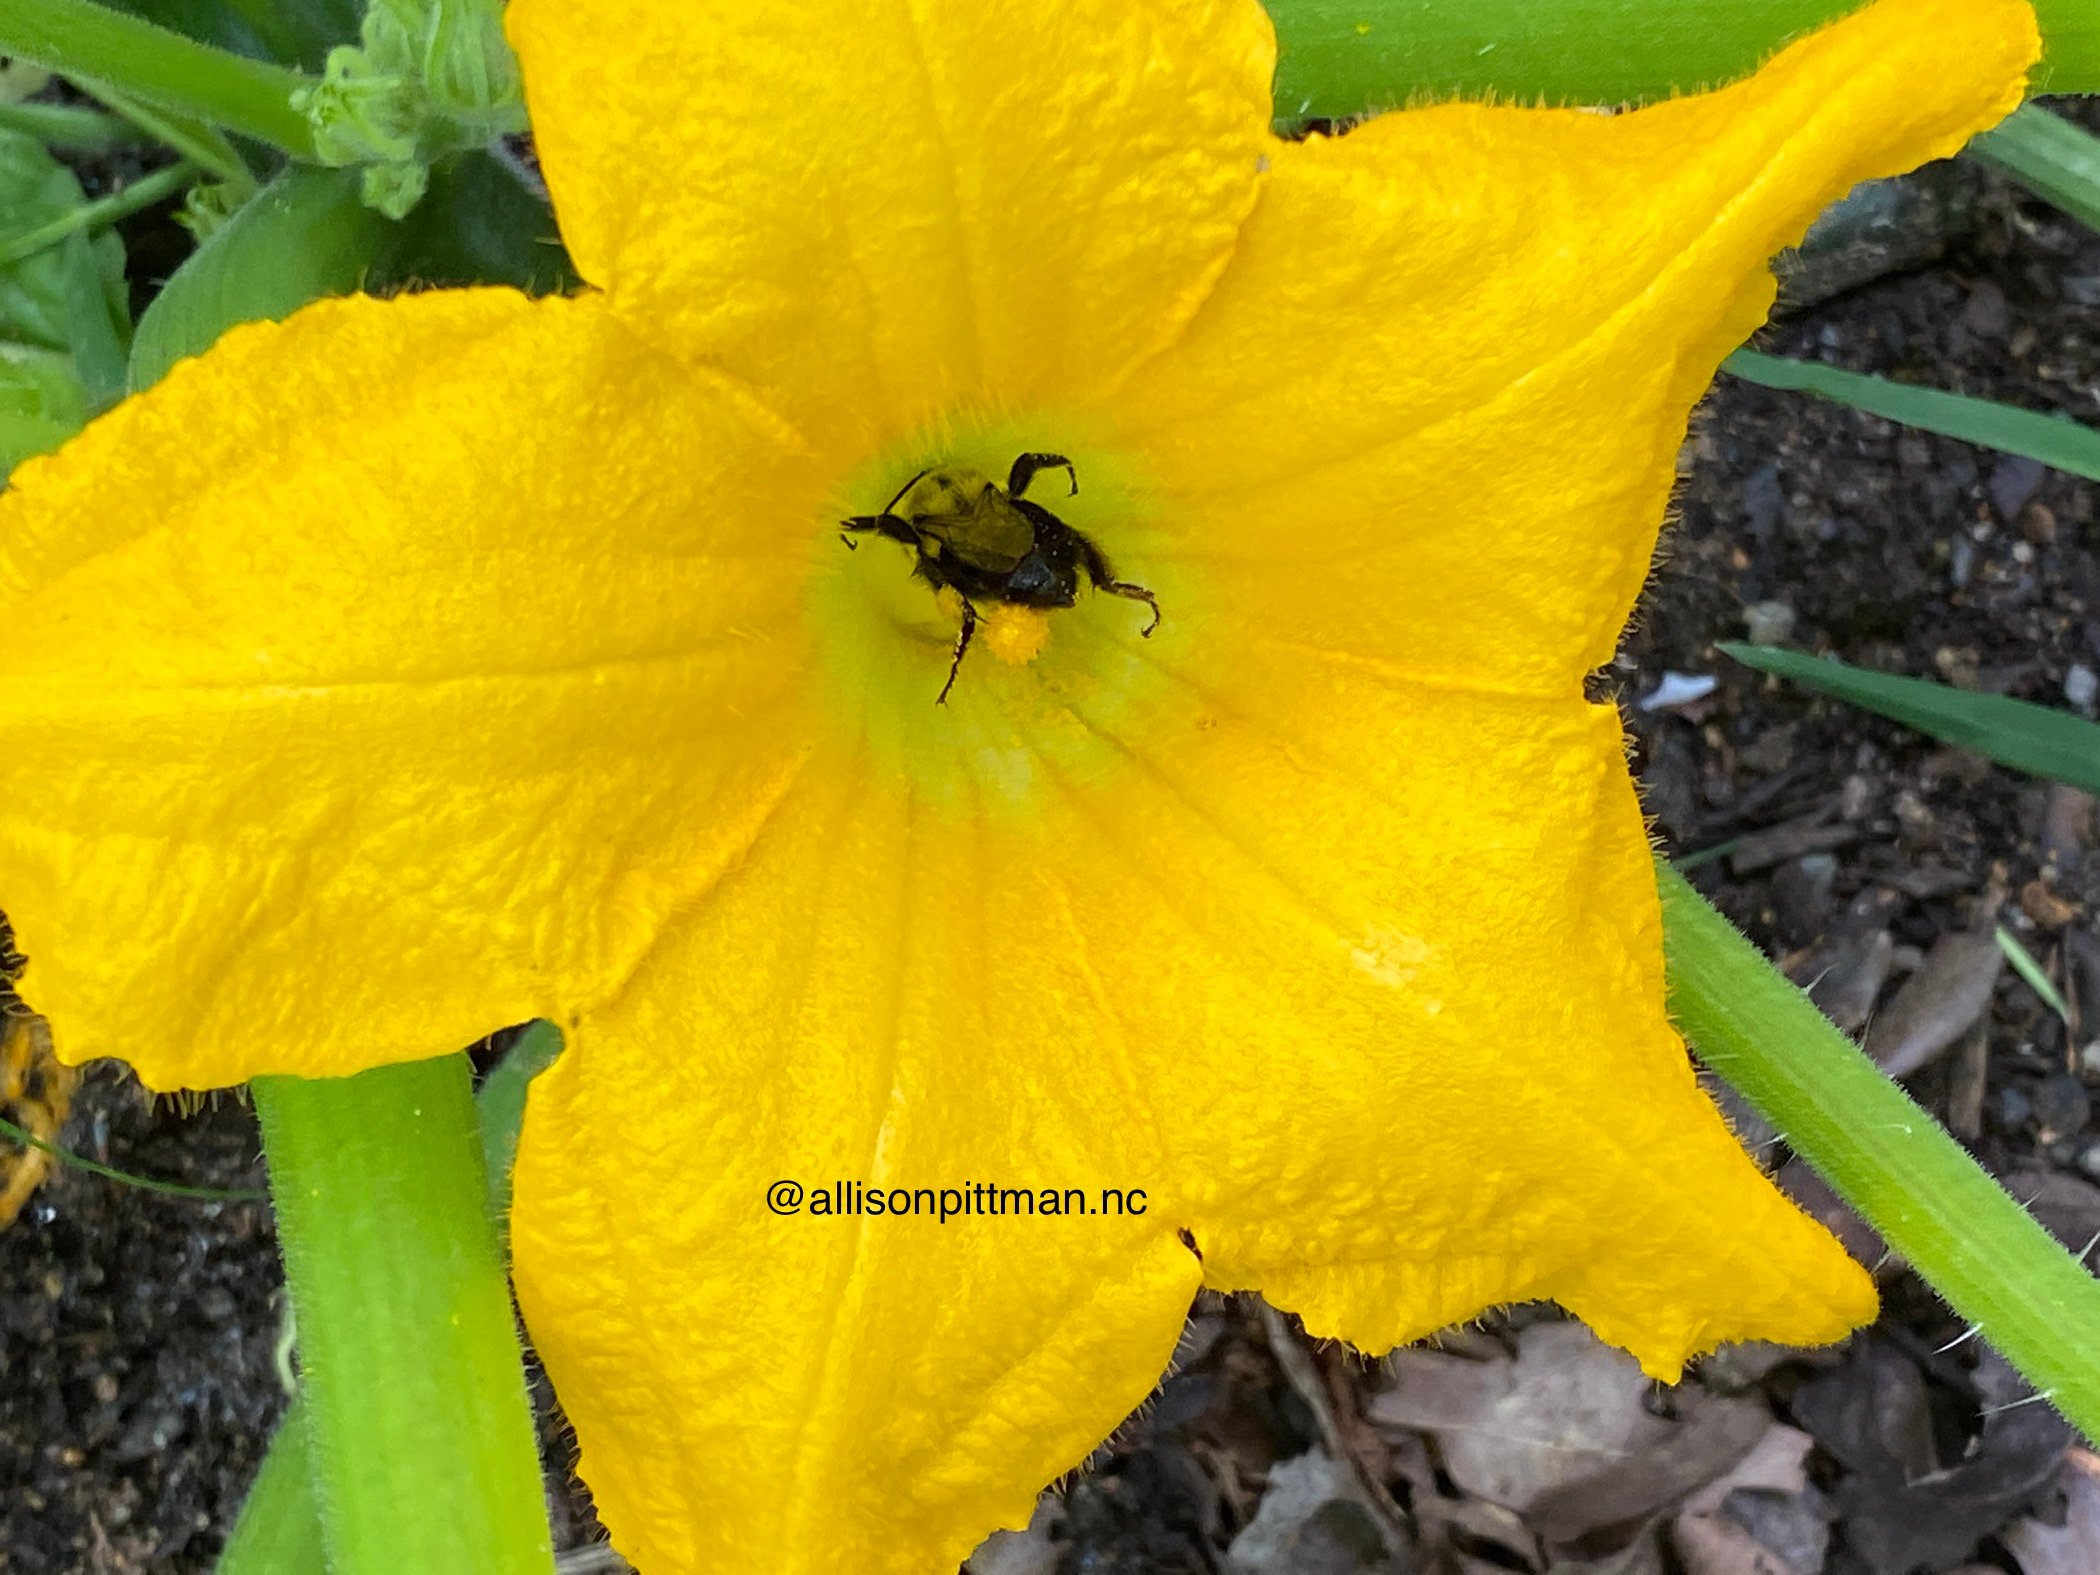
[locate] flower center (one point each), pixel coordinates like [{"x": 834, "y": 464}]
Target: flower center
[{"x": 988, "y": 618}]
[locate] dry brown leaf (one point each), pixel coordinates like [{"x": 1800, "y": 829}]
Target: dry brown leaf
[
  {"x": 1710, "y": 1539},
  {"x": 2072, "y": 1548},
  {"x": 1565, "y": 1434}
]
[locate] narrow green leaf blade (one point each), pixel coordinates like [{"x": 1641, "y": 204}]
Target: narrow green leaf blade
[
  {"x": 2052, "y": 158},
  {"x": 2054, "y": 440},
  {"x": 2015, "y": 733},
  {"x": 2029, "y": 968}
]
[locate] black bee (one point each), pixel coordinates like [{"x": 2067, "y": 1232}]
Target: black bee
[{"x": 991, "y": 544}]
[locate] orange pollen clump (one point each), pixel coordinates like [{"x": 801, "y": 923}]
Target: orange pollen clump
[{"x": 1015, "y": 634}]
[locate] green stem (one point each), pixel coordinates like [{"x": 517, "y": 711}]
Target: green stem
[
  {"x": 278, "y": 1532},
  {"x": 1343, "y": 57},
  {"x": 202, "y": 143},
  {"x": 101, "y": 213},
  {"x": 1884, "y": 1155},
  {"x": 418, "y": 1427},
  {"x": 168, "y": 1189},
  {"x": 80, "y": 39},
  {"x": 71, "y": 126}
]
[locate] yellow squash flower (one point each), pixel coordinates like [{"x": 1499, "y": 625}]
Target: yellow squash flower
[{"x": 420, "y": 666}]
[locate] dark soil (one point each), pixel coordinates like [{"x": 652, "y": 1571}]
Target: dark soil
[{"x": 137, "y": 1382}]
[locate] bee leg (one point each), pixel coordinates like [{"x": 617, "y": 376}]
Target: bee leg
[
  {"x": 1026, "y": 465},
  {"x": 1104, "y": 579},
  {"x": 884, "y": 524},
  {"x": 962, "y": 644},
  {"x": 1136, "y": 593}
]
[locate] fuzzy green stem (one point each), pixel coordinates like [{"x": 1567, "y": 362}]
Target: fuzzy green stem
[
  {"x": 78, "y": 38},
  {"x": 101, "y": 213},
  {"x": 278, "y": 1532},
  {"x": 1343, "y": 57},
  {"x": 419, "y": 1432},
  {"x": 1884, "y": 1155}
]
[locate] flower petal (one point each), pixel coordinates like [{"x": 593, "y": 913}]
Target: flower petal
[
  {"x": 808, "y": 1393},
  {"x": 1412, "y": 942},
  {"x": 932, "y": 203},
  {"x": 1437, "y": 395},
  {"x": 295, "y": 776},
  {"x": 1358, "y": 981}
]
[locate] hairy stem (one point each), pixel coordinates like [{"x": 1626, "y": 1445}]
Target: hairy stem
[
  {"x": 1344, "y": 57},
  {"x": 80, "y": 39},
  {"x": 413, "y": 1393},
  {"x": 1885, "y": 1156}
]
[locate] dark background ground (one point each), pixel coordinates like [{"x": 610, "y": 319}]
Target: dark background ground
[{"x": 137, "y": 1380}]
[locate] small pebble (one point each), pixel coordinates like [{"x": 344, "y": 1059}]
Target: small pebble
[
  {"x": 1961, "y": 562},
  {"x": 2015, "y": 480},
  {"x": 2081, "y": 686},
  {"x": 2012, "y": 1108},
  {"x": 1678, "y": 689},
  {"x": 1986, "y": 314},
  {"x": 2089, "y": 1060}
]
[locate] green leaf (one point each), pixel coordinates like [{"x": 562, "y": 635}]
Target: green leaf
[
  {"x": 2054, "y": 440},
  {"x": 36, "y": 293},
  {"x": 64, "y": 308},
  {"x": 303, "y": 236},
  {"x": 307, "y": 235},
  {"x": 2052, "y": 158},
  {"x": 40, "y": 385},
  {"x": 481, "y": 224},
  {"x": 2030, "y": 738},
  {"x": 100, "y": 326},
  {"x": 42, "y": 402}
]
